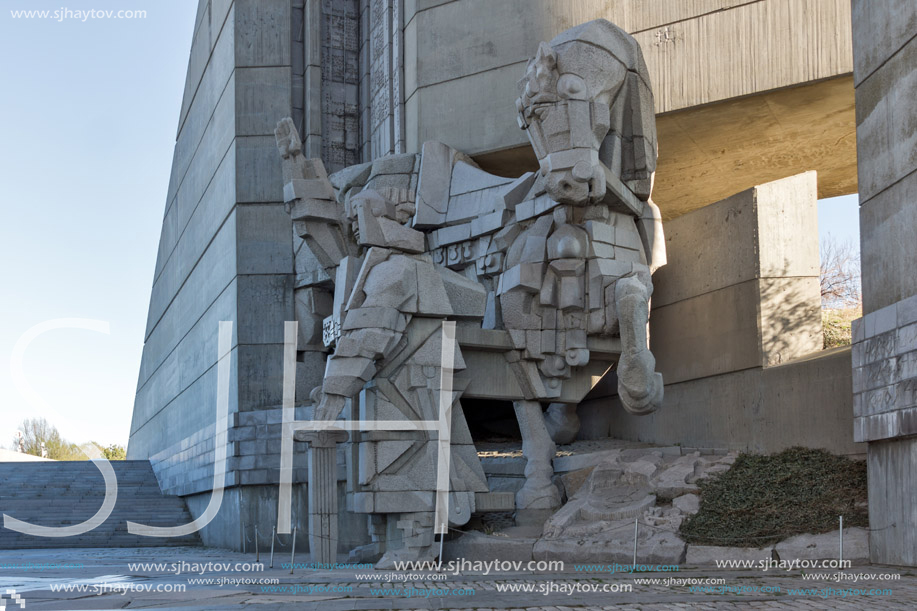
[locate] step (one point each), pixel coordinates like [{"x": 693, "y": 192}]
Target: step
[{"x": 68, "y": 493}]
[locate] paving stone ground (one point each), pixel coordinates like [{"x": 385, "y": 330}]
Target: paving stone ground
[{"x": 34, "y": 574}]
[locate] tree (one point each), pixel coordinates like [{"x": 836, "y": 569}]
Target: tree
[
  {"x": 841, "y": 298},
  {"x": 113, "y": 452},
  {"x": 840, "y": 275},
  {"x": 36, "y": 431}
]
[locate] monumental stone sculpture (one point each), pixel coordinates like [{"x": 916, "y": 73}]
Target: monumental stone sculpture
[{"x": 552, "y": 264}]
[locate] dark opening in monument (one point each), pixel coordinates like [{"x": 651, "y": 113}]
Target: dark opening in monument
[{"x": 491, "y": 420}]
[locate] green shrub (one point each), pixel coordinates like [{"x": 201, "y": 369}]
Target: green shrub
[{"x": 765, "y": 499}]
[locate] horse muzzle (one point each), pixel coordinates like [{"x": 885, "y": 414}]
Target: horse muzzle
[{"x": 582, "y": 184}]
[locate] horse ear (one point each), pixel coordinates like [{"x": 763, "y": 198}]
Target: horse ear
[
  {"x": 545, "y": 56},
  {"x": 642, "y": 134}
]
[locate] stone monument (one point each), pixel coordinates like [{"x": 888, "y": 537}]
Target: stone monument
[{"x": 550, "y": 272}]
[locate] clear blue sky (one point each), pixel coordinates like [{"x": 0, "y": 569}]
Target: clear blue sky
[{"x": 88, "y": 118}]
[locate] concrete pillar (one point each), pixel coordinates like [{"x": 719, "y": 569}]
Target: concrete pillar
[
  {"x": 323, "y": 500},
  {"x": 885, "y": 339}
]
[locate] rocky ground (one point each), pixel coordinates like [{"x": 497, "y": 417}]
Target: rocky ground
[{"x": 614, "y": 489}]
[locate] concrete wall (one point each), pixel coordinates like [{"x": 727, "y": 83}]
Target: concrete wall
[
  {"x": 885, "y": 339},
  {"x": 801, "y": 403},
  {"x": 736, "y": 331},
  {"x": 225, "y": 252},
  {"x": 741, "y": 288},
  {"x": 463, "y": 58}
]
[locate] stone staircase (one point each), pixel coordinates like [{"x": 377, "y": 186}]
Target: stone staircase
[{"x": 67, "y": 493}]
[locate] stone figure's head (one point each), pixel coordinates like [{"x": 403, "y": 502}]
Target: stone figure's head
[
  {"x": 587, "y": 109},
  {"x": 374, "y": 221},
  {"x": 566, "y": 128}
]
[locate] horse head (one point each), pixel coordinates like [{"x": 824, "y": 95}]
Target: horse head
[{"x": 586, "y": 106}]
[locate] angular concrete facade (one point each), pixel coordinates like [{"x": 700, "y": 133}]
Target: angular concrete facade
[
  {"x": 885, "y": 339},
  {"x": 746, "y": 91},
  {"x": 225, "y": 254}
]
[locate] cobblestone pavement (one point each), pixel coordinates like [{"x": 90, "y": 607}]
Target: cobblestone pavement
[{"x": 108, "y": 581}]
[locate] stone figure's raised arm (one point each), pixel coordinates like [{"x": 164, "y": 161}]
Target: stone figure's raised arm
[{"x": 317, "y": 216}]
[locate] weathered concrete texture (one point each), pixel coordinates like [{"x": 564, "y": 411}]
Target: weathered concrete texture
[
  {"x": 885, "y": 372},
  {"x": 892, "y": 476},
  {"x": 885, "y": 340},
  {"x": 886, "y": 76},
  {"x": 246, "y": 508},
  {"x": 768, "y": 128},
  {"x": 827, "y": 546},
  {"x": 744, "y": 272},
  {"x": 225, "y": 253},
  {"x": 806, "y": 402},
  {"x": 708, "y": 152},
  {"x": 471, "y": 41},
  {"x": 888, "y": 224}
]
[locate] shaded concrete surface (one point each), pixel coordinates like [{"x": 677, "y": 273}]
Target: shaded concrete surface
[{"x": 95, "y": 568}]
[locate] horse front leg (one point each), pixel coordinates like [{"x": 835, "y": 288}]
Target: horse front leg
[
  {"x": 639, "y": 386},
  {"x": 538, "y": 497}
]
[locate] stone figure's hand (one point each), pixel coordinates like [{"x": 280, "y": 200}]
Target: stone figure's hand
[{"x": 329, "y": 407}]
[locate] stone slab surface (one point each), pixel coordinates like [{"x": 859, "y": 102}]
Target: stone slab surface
[{"x": 309, "y": 588}]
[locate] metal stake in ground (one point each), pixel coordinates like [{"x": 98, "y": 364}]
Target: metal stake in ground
[
  {"x": 273, "y": 536},
  {"x": 293, "y": 551},
  {"x": 840, "y": 566},
  {"x": 636, "y": 522}
]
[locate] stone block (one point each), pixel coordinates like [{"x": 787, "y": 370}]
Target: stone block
[
  {"x": 907, "y": 311},
  {"x": 880, "y": 29},
  {"x": 403, "y": 501},
  {"x": 573, "y": 480},
  {"x": 451, "y": 235},
  {"x": 885, "y": 319},
  {"x": 262, "y": 99},
  {"x": 263, "y": 240},
  {"x": 688, "y": 503},
  {"x": 467, "y": 178},
  {"x": 510, "y": 484},
  {"x": 264, "y": 302},
  {"x": 576, "y": 462},
  {"x": 766, "y": 231},
  {"x": 885, "y": 144},
  {"x": 177, "y": 261},
  {"x": 826, "y": 546},
  {"x": 710, "y": 555},
  {"x": 760, "y": 410},
  {"x": 887, "y": 224},
  {"x": 262, "y": 33},
  {"x": 906, "y": 339},
  {"x": 722, "y": 336},
  {"x": 477, "y": 547},
  {"x": 467, "y": 298},
  {"x": 258, "y": 175},
  {"x": 489, "y": 223}
]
